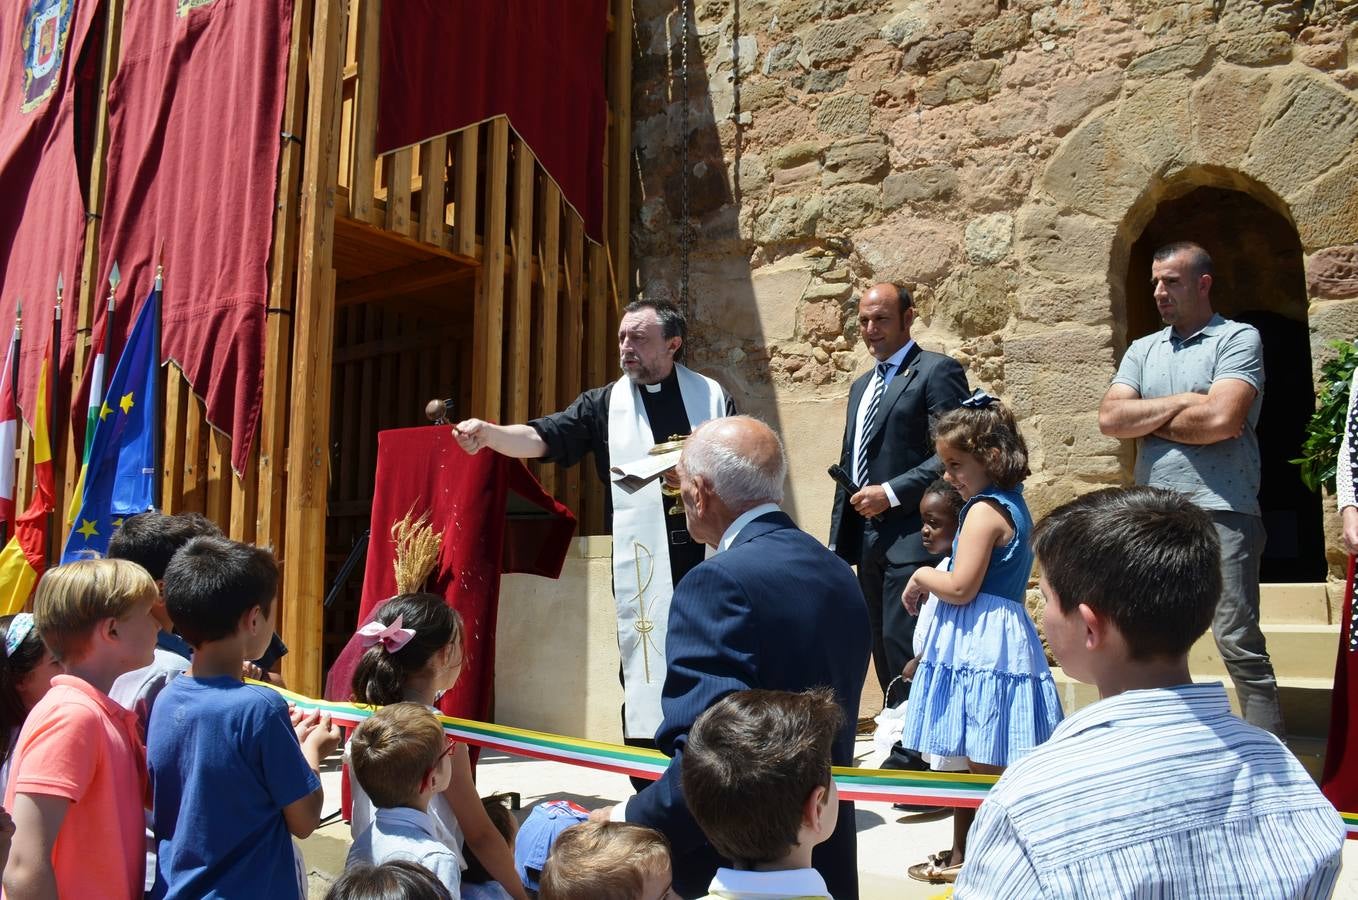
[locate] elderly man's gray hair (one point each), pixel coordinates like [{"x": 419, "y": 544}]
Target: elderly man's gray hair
[{"x": 742, "y": 483}]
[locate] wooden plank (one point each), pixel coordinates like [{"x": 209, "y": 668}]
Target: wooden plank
[
  {"x": 488, "y": 345},
  {"x": 270, "y": 457},
  {"x": 400, "y": 168},
  {"x": 244, "y": 500},
  {"x": 388, "y": 346},
  {"x": 409, "y": 279},
  {"x": 368, "y": 16},
  {"x": 406, "y": 383},
  {"x": 367, "y": 429},
  {"x": 309, "y": 421},
  {"x": 90, "y": 292},
  {"x": 464, "y": 190},
  {"x": 343, "y": 420},
  {"x": 217, "y": 502},
  {"x": 619, "y": 182},
  {"x": 598, "y": 354},
  {"x": 519, "y": 364},
  {"x": 386, "y": 374},
  {"x": 195, "y": 455},
  {"x": 172, "y": 456},
  {"x": 433, "y": 165},
  {"x": 571, "y": 349},
  {"x": 545, "y": 329}
]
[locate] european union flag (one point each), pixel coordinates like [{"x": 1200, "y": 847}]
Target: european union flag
[{"x": 119, "y": 478}]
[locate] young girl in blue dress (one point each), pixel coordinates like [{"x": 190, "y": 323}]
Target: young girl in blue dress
[{"x": 983, "y": 689}]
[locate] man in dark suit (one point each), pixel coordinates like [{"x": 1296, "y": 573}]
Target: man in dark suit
[
  {"x": 771, "y": 609},
  {"x": 890, "y": 455}
]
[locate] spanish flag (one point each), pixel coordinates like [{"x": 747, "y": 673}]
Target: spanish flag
[{"x": 25, "y": 556}]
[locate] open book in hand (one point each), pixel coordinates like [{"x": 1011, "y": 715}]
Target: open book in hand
[{"x": 633, "y": 476}]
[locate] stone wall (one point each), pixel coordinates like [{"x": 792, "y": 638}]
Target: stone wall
[{"x": 1000, "y": 157}]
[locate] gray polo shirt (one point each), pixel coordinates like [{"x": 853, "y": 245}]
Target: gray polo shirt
[{"x": 1224, "y": 475}]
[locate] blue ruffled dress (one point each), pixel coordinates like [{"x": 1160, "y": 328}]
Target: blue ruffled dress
[{"x": 983, "y": 688}]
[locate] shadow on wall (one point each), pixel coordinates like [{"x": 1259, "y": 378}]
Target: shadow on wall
[
  {"x": 1260, "y": 279},
  {"x": 733, "y": 317}
]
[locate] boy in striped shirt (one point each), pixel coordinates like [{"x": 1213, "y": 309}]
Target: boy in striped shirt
[{"x": 1157, "y": 789}]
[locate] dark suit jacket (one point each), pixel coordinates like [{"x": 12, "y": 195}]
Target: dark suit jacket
[
  {"x": 900, "y": 453},
  {"x": 777, "y": 611}
]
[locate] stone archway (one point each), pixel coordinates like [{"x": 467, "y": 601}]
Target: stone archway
[{"x": 1285, "y": 136}]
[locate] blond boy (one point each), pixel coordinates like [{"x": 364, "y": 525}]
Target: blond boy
[
  {"x": 608, "y": 861},
  {"x": 78, "y": 785}
]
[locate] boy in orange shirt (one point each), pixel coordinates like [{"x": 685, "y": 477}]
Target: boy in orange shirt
[{"x": 78, "y": 785}]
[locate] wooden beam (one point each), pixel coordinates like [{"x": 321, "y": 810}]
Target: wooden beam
[
  {"x": 244, "y": 500},
  {"x": 400, "y": 168},
  {"x": 519, "y": 364},
  {"x": 598, "y": 352},
  {"x": 433, "y": 165},
  {"x": 488, "y": 340},
  {"x": 619, "y": 224},
  {"x": 415, "y": 277},
  {"x": 545, "y": 329},
  {"x": 172, "y": 462},
  {"x": 464, "y": 191},
  {"x": 308, "y": 447},
  {"x": 195, "y": 455},
  {"x": 270, "y": 461},
  {"x": 363, "y": 175},
  {"x": 572, "y": 343},
  {"x": 90, "y": 291},
  {"x": 388, "y": 345},
  {"x": 217, "y": 503}
]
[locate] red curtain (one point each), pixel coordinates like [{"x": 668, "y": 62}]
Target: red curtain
[
  {"x": 424, "y": 469},
  {"x": 195, "y": 114},
  {"x": 447, "y": 64},
  {"x": 49, "y": 51}
]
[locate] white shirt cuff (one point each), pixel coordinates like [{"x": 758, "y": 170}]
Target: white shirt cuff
[
  {"x": 618, "y": 813},
  {"x": 890, "y": 495}
]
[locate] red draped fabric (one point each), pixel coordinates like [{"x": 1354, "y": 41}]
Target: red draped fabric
[
  {"x": 467, "y": 496},
  {"x": 1339, "y": 782},
  {"x": 447, "y": 64},
  {"x": 49, "y": 51},
  {"x": 195, "y": 114}
]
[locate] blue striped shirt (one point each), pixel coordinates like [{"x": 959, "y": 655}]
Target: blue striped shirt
[{"x": 1155, "y": 793}]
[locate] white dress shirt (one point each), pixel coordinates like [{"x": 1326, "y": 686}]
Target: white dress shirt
[
  {"x": 406, "y": 833},
  {"x": 893, "y": 364},
  {"x": 785, "y": 884},
  {"x": 733, "y": 530}
]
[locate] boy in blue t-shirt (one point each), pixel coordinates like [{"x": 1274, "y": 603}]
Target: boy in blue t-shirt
[{"x": 231, "y": 776}]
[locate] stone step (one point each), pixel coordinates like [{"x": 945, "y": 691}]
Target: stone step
[
  {"x": 1305, "y": 701},
  {"x": 1295, "y": 604},
  {"x": 1297, "y": 651}
]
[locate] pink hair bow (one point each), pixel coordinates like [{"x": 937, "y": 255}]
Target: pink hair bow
[{"x": 392, "y": 637}]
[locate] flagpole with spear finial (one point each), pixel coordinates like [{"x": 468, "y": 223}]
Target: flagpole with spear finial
[
  {"x": 157, "y": 436},
  {"x": 54, "y": 535}
]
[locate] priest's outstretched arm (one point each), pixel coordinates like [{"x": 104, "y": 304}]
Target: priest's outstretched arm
[{"x": 519, "y": 441}]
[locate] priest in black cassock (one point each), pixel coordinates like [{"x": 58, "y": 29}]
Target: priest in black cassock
[{"x": 655, "y": 399}]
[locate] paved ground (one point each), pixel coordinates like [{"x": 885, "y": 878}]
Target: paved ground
[{"x": 888, "y": 842}]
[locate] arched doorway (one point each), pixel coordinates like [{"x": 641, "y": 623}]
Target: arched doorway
[{"x": 1260, "y": 279}]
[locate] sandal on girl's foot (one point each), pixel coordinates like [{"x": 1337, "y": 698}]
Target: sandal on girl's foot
[{"x": 932, "y": 873}]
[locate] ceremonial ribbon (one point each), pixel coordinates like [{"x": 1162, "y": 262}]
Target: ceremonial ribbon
[{"x": 956, "y": 789}]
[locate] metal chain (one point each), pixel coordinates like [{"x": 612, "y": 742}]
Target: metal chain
[{"x": 685, "y": 234}]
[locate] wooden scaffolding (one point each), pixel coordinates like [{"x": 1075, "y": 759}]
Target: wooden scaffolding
[{"x": 450, "y": 269}]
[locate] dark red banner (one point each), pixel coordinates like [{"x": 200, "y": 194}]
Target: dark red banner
[
  {"x": 49, "y": 50},
  {"x": 467, "y": 498},
  {"x": 195, "y": 115},
  {"x": 447, "y": 64}
]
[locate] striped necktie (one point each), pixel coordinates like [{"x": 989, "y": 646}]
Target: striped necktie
[{"x": 861, "y": 464}]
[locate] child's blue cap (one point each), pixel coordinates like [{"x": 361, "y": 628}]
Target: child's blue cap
[{"x": 538, "y": 834}]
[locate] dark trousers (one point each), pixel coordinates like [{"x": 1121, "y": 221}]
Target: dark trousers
[{"x": 893, "y": 629}]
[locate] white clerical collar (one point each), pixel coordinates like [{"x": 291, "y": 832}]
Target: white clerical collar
[
  {"x": 745, "y": 518},
  {"x": 654, "y": 388},
  {"x": 799, "y": 883}
]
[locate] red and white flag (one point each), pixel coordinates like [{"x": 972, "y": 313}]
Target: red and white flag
[{"x": 9, "y": 431}]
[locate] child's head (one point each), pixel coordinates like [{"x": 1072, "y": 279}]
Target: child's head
[
  {"x": 544, "y": 824},
  {"x": 608, "y": 861},
  {"x": 98, "y": 609},
  {"x": 400, "y": 756},
  {"x": 497, "y": 810},
  {"x": 428, "y": 641},
  {"x": 980, "y": 444},
  {"x": 217, "y": 589},
  {"x": 395, "y": 879},
  {"x": 25, "y": 673},
  {"x": 1128, "y": 574},
  {"x": 151, "y": 539},
  {"x": 938, "y": 511},
  {"x": 756, "y": 773}
]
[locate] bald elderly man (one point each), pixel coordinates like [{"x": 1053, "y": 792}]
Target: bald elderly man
[{"x": 773, "y": 609}]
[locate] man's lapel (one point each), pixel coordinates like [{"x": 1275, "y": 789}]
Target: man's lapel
[{"x": 899, "y": 383}]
